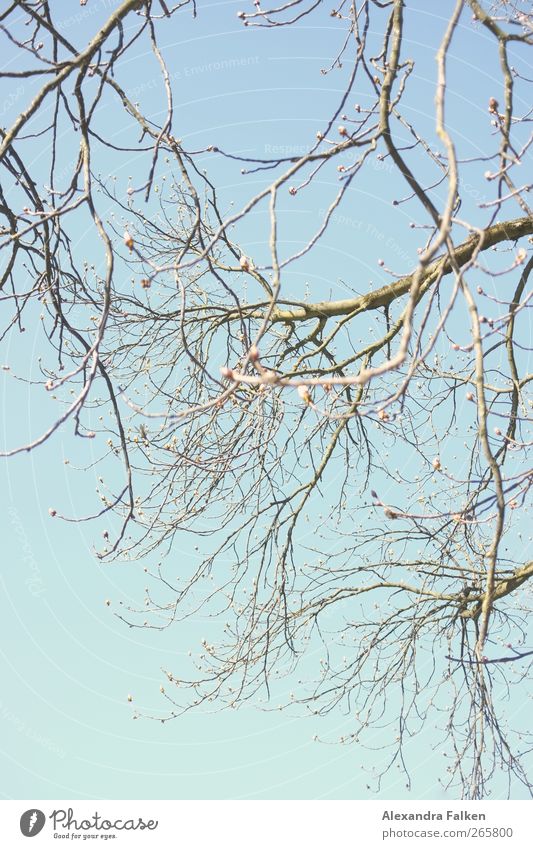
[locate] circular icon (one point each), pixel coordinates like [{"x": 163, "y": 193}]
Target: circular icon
[{"x": 32, "y": 822}]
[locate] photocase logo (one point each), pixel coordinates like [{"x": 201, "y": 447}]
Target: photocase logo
[
  {"x": 64, "y": 823},
  {"x": 32, "y": 822}
]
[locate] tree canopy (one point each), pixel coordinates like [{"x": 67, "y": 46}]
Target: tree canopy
[{"x": 322, "y": 399}]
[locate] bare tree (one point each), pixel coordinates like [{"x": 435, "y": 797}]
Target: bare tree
[{"x": 268, "y": 422}]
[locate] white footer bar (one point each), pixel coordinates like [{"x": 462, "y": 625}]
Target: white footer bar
[{"x": 267, "y": 824}]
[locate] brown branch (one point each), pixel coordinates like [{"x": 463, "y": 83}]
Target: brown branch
[
  {"x": 506, "y": 231},
  {"x": 502, "y": 588}
]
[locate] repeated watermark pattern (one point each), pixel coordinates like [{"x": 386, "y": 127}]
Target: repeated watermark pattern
[{"x": 33, "y": 580}]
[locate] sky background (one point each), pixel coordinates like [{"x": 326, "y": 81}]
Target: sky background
[{"x": 67, "y": 663}]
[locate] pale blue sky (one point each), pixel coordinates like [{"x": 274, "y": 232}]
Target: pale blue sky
[{"x": 66, "y": 663}]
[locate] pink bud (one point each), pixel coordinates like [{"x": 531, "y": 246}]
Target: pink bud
[{"x": 303, "y": 392}]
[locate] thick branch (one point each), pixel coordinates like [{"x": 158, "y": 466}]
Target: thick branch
[
  {"x": 503, "y": 588},
  {"x": 506, "y": 231}
]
